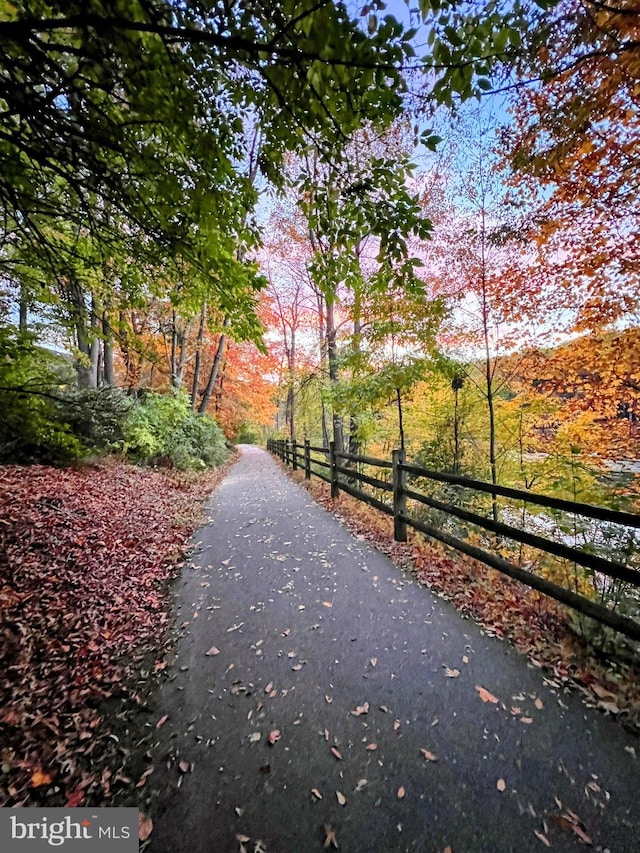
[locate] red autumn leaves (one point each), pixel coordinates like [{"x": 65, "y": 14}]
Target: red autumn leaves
[{"x": 85, "y": 556}]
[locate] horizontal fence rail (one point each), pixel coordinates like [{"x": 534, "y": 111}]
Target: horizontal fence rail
[{"x": 346, "y": 477}]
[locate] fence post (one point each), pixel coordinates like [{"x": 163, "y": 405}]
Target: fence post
[
  {"x": 281, "y": 449},
  {"x": 399, "y": 496},
  {"x": 307, "y": 459},
  {"x": 335, "y": 488},
  {"x": 294, "y": 455}
]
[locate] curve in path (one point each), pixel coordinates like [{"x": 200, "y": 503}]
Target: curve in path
[{"x": 315, "y": 635}]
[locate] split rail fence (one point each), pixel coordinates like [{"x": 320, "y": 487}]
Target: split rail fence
[{"x": 338, "y": 469}]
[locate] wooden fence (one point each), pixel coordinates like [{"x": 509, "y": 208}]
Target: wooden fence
[{"x": 329, "y": 465}]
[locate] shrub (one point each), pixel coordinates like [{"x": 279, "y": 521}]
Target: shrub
[
  {"x": 32, "y": 388},
  {"x": 162, "y": 429},
  {"x": 97, "y": 416}
]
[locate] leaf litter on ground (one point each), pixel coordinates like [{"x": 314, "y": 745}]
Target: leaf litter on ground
[{"x": 86, "y": 560}]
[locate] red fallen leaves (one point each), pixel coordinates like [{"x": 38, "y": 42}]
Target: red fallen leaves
[
  {"x": 85, "y": 556},
  {"x": 145, "y": 827}
]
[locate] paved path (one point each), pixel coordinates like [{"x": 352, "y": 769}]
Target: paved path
[{"x": 311, "y": 624}]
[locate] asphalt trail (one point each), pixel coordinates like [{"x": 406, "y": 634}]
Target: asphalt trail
[{"x": 312, "y": 623}]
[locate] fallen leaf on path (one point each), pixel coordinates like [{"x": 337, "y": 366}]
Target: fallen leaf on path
[
  {"x": 360, "y": 710},
  {"x": 451, "y": 673},
  {"x": 362, "y": 783},
  {"x": 486, "y": 696},
  {"x": 330, "y": 840},
  {"x": 162, "y": 721},
  {"x": 274, "y": 736},
  {"x": 328, "y": 603},
  {"x": 570, "y": 820},
  {"x": 374, "y": 661},
  {"x": 542, "y": 837},
  {"x": 539, "y": 705},
  {"x": 501, "y": 785},
  {"x": 254, "y": 737},
  {"x": 145, "y": 826},
  {"x": 341, "y": 798},
  {"x": 297, "y": 667},
  {"x": 39, "y": 778},
  {"x": 400, "y": 794},
  {"x": 328, "y": 699},
  {"x": 372, "y": 747},
  {"x": 269, "y": 687},
  {"x": 429, "y": 755},
  {"x": 396, "y": 725},
  {"x": 582, "y": 835},
  {"x": 235, "y": 627},
  {"x": 316, "y": 793},
  {"x": 526, "y": 720},
  {"x": 143, "y": 778},
  {"x": 335, "y": 751},
  {"x": 292, "y": 654},
  {"x": 214, "y": 650},
  {"x": 183, "y": 766}
]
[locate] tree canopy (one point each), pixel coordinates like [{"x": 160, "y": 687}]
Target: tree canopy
[{"x": 138, "y": 136}]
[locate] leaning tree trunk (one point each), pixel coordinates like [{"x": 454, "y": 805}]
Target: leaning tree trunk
[{"x": 215, "y": 369}]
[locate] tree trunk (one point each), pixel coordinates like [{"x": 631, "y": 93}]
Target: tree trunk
[
  {"x": 325, "y": 427},
  {"x": 85, "y": 366},
  {"x": 332, "y": 352},
  {"x": 400, "y": 418},
  {"x": 198, "y": 362},
  {"x": 291, "y": 358},
  {"x": 354, "y": 431},
  {"x": 23, "y": 307},
  {"x": 492, "y": 448},
  {"x": 108, "y": 368},
  {"x": 215, "y": 367}
]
